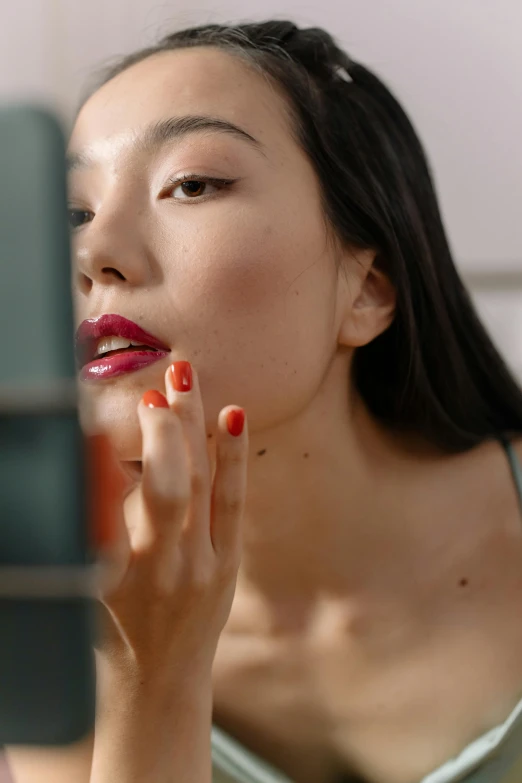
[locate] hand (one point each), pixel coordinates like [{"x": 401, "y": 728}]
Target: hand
[{"x": 173, "y": 581}]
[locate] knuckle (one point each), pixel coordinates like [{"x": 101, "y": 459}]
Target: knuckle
[
  {"x": 163, "y": 495},
  {"x": 229, "y": 504},
  {"x": 200, "y": 581},
  {"x": 189, "y": 414},
  {"x": 181, "y": 495},
  {"x": 164, "y": 426},
  {"x": 233, "y": 457},
  {"x": 228, "y": 569},
  {"x": 180, "y": 499},
  {"x": 198, "y": 484}
]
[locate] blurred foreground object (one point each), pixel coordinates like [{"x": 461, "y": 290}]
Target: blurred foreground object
[{"x": 48, "y": 571}]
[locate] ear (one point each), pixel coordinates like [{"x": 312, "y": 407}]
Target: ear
[{"x": 366, "y": 297}]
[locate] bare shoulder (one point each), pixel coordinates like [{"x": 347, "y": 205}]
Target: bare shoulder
[
  {"x": 509, "y": 507},
  {"x": 517, "y": 445},
  {"x": 491, "y": 479}
]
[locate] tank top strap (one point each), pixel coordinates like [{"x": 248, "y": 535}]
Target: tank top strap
[{"x": 516, "y": 467}]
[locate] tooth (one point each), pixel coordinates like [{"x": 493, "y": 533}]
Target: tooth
[{"x": 111, "y": 344}]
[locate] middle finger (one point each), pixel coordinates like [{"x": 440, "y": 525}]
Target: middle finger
[{"x": 184, "y": 398}]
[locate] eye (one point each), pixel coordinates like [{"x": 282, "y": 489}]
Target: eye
[
  {"x": 78, "y": 217},
  {"x": 193, "y": 188}
]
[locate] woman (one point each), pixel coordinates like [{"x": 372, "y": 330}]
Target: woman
[{"x": 260, "y": 205}]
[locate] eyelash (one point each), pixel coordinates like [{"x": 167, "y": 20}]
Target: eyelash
[
  {"x": 172, "y": 183},
  {"x": 175, "y": 181}
]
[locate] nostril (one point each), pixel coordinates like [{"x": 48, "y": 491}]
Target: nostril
[
  {"x": 111, "y": 271},
  {"x": 83, "y": 283}
]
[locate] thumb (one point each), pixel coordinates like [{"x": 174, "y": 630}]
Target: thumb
[{"x": 106, "y": 486}]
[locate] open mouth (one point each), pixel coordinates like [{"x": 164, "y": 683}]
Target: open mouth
[
  {"x": 114, "y": 346},
  {"x": 100, "y": 339},
  {"x": 123, "y": 350}
]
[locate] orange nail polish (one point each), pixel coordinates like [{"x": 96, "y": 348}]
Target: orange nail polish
[
  {"x": 154, "y": 399},
  {"x": 181, "y": 376},
  {"x": 236, "y": 421}
]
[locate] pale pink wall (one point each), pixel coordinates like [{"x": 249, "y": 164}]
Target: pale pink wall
[{"x": 456, "y": 67}]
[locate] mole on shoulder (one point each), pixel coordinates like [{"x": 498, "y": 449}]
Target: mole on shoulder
[
  {"x": 463, "y": 582},
  {"x": 306, "y": 454},
  {"x": 260, "y": 453}
]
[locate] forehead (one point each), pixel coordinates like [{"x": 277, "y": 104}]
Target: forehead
[{"x": 200, "y": 80}]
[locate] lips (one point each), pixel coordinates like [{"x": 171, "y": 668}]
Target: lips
[{"x": 92, "y": 330}]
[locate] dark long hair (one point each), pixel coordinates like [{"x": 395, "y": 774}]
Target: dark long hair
[{"x": 434, "y": 370}]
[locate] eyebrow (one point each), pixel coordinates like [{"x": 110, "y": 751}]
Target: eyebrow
[{"x": 157, "y": 134}]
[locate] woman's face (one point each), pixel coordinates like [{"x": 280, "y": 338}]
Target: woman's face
[{"x": 238, "y": 279}]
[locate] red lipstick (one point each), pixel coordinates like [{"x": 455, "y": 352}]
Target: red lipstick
[{"x": 149, "y": 349}]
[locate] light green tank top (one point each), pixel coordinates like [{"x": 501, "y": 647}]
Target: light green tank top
[{"x": 495, "y": 757}]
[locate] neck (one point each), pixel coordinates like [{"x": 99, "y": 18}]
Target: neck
[{"x": 324, "y": 499}]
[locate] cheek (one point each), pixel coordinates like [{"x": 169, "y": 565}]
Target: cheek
[
  {"x": 253, "y": 301},
  {"x": 245, "y": 260}
]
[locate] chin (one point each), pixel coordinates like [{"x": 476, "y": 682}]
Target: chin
[{"x": 114, "y": 413}]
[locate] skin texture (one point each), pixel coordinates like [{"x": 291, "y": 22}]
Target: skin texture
[
  {"x": 243, "y": 285},
  {"x": 368, "y": 545}
]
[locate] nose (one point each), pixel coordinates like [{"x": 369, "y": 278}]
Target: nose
[{"x": 111, "y": 250}]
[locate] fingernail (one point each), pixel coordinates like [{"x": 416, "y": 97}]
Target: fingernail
[
  {"x": 235, "y": 421},
  {"x": 154, "y": 399},
  {"x": 181, "y": 376}
]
